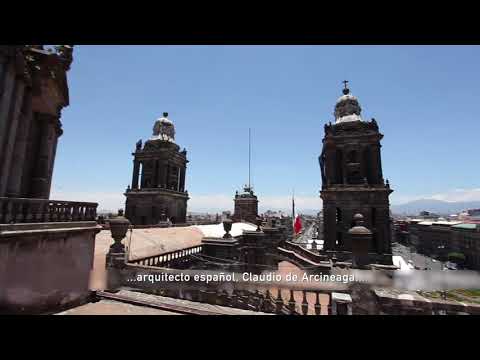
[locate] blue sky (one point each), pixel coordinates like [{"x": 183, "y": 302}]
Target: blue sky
[{"x": 424, "y": 99}]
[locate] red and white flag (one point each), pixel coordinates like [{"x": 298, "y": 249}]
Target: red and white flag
[{"x": 297, "y": 225}]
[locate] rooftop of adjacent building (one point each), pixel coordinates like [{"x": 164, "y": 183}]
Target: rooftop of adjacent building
[
  {"x": 153, "y": 241},
  {"x": 467, "y": 226}
]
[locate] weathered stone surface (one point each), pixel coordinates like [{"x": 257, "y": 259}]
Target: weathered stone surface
[
  {"x": 46, "y": 266},
  {"x": 111, "y": 307},
  {"x": 33, "y": 91}
]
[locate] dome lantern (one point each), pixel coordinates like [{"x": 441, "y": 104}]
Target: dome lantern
[
  {"x": 163, "y": 129},
  {"x": 347, "y": 108}
]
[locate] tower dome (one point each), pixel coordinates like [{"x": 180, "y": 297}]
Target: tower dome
[
  {"x": 347, "y": 107},
  {"x": 163, "y": 129}
]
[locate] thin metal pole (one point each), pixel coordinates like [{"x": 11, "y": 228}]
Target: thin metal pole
[{"x": 249, "y": 156}]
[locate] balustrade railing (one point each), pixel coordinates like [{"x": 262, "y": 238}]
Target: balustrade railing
[
  {"x": 281, "y": 301},
  {"x": 310, "y": 255},
  {"x": 169, "y": 259},
  {"x": 22, "y": 210}
]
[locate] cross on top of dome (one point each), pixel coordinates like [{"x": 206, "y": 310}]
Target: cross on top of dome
[
  {"x": 347, "y": 108},
  {"x": 346, "y": 90}
]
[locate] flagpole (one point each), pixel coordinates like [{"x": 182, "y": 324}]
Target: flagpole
[
  {"x": 293, "y": 208},
  {"x": 249, "y": 156}
]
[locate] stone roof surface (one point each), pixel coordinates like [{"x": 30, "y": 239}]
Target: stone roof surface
[
  {"x": 137, "y": 303},
  {"x": 111, "y": 307},
  {"x": 154, "y": 241}
]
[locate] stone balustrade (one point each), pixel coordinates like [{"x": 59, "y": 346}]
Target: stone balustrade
[
  {"x": 310, "y": 255},
  {"x": 22, "y": 210},
  {"x": 169, "y": 259},
  {"x": 281, "y": 299}
]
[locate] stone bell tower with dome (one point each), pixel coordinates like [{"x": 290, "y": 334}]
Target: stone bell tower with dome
[
  {"x": 352, "y": 179},
  {"x": 158, "y": 182}
]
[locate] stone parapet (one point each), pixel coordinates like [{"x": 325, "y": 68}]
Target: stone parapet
[{"x": 44, "y": 267}]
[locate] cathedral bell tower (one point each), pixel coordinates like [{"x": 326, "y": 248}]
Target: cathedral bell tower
[
  {"x": 158, "y": 180},
  {"x": 352, "y": 179}
]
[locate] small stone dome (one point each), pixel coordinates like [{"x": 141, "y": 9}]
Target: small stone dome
[
  {"x": 163, "y": 129},
  {"x": 347, "y": 108},
  {"x": 358, "y": 217},
  {"x": 359, "y": 229}
]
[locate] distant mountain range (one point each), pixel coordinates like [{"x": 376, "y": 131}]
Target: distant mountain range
[{"x": 435, "y": 206}]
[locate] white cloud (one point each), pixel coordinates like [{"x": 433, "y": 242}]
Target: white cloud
[
  {"x": 455, "y": 195},
  {"x": 459, "y": 195},
  {"x": 213, "y": 202}
]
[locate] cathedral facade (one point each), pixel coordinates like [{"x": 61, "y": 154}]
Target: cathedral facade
[
  {"x": 352, "y": 179},
  {"x": 158, "y": 190},
  {"x": 33, "y": 92}
]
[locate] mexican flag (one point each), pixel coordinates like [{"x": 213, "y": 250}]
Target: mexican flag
[{"x": 297, "y": 225}]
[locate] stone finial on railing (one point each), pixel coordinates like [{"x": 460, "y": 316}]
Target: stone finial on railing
[
  {"x": 118, "y": 227},
  {"x": 227, "y": 226},
  {"x": 259, "y": 223}
]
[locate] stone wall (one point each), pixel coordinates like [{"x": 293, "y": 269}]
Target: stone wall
[
  {"x": 33, "y": 91},
  {"x": 44, "y": 267}
]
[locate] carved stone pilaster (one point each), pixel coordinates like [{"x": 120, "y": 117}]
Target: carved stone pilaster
[{"x": 50, "y": 129}]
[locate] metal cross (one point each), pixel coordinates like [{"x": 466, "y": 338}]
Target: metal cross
[{"x": 345, "y": 82}]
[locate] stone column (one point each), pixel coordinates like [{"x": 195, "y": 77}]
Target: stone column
[
  {"x": 178, "y": 179},
  {"x": 162, "y": 171},
  {"x": 6, "y": 151},
  {"x": 182, "y": 179},
  {"x": 383, "y": 233},
  {"x": 155, "y": 180},
  {"x": 329, "y": 228},
  {"x": 376, "y": 164},
  {"x": 330, "y": 167},
  {"x": 7, "y": 84},
  {"x": 56, "y": 133},
  {"x": 142, "y": 175},
  {"x": 14, "y": 187},
  {"x": 167, "y": 176},
  {"x": 379, "y": 157},
  {"x": 136, "y": 170},
  {"x": 45, "y": 154}
]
